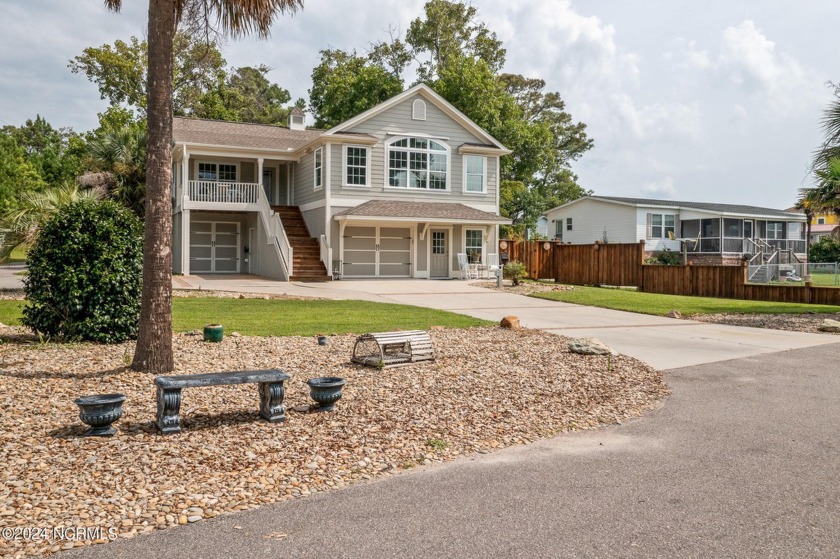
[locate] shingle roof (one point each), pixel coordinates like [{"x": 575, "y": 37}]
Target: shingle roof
[
  {"x": 720, "y": 208},
  {"x": 421, "y": 210},
  {"x": 823, "y": 228},
  {"x": 239, "y": 134}
]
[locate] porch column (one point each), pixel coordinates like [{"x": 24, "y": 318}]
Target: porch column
[
  {"x": 259, "y": 180},
  {"x": 185, "y": 175},
  {"x": 185, "y": 242}
]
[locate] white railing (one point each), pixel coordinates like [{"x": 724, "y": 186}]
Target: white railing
[
  {"x": 276, "y": 233},
  {"x": 225, "y": 192},
  {"x": 326, "y": 254}
]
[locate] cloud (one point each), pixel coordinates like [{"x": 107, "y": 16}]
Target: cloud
[{"x": 662, "y": 189}]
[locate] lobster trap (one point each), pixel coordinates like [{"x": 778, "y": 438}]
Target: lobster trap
[{"x": 393, "y": 349}]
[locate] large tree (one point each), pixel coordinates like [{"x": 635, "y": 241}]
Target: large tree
[{"x": 235, "y": 17}]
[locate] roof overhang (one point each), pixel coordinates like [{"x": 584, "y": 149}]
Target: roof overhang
[
  {"x": 284, "y": 154},
  {"x": 438, "y": 220},
  {"x": 483, "y": 150}
]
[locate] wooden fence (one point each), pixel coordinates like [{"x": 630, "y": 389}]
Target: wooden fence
[{"x": 623, "y": 265}]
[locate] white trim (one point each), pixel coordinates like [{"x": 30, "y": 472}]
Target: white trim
[
  {"x": 449, "y": 235},
  {"x": 430, "y": 95},
  {"x": 315, "y": 153},
  {"x": 418, "y": 110},
  {"x": 432, "y": 220},
  {"x": 397, "y": 138},
  {"x": 198, "y": 162},
  {"x": 211, "y": 150},
  {"x": 368, "y": 156},
  {"x": 483, "y": 190}
]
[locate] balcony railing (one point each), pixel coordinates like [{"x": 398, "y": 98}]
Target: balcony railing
[
  {"x": 738, "y": 245},
  {"x": 224, "y": 192}
]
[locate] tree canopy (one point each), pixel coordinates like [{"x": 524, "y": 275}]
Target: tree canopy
[{"x": 461, "y": 59}]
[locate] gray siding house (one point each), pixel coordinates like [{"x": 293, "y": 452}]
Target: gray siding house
[{"x": 396, "y": 192}]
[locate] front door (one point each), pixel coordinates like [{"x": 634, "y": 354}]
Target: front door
[
  {"x": 268, "y": 184},
  {"x": 439, "y": 267},
  {"x": 214, "y": 247}
]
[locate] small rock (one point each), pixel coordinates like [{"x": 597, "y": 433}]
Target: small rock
[
  {"x": 235, "y": 335},
  {"x": 194, "y": 518},
  {"x": 182, "y": 519},
  {"x": 301, "y": 409},
  {"x": 241, "y": 296},
  {"x": 829, "y": 325},
  {"x": 590, "y": 346},
  {"x": 673, "y": 313},
  {"x": 437, "y": 328},
  {"x": 511, "y": 322}
]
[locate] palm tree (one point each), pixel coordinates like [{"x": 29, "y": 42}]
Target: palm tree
[
  {"x": 21, "y": 224},
  {"x": 831, "y": 127},
  {"x": 122, "y": 154},
  {"x": 236, "y": 18}
]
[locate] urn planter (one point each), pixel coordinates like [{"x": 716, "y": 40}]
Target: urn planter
[
  {"x": 326, "y": 391},
  {"x": 323, "y": 340},
  {"x": 214, "y": 333},
  {"x": 100, "y": 411}
]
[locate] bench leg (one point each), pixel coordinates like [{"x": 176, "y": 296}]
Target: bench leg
[
  {"x": 271, "y": 401},
  {"x": 168, "y": 408}
]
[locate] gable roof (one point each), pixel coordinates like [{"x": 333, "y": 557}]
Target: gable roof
[
  {"x": 424, "y": 211},
  {"x": 436, "y": 100},
  {"x": 240, "y": 134},
  {"x": 702, "y": 206}
]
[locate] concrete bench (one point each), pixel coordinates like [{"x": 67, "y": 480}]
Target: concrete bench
[{"x": 169, "y": 388}]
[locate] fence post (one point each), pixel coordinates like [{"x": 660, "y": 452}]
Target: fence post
[
  {"x": 741, "y": 287},
  {"x": 640, "y": 262}
]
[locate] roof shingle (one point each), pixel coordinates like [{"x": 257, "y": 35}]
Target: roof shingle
[
  {"x": 421, "y": 210},
  {"x": 240, "y": 134}
]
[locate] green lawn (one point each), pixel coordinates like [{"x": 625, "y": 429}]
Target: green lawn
[
  {"x": 818, "y": 280},
  {"x": 18, "y": 254},
  {"x": 279, "y": 317},
  {"x": 653, "y": 303}
]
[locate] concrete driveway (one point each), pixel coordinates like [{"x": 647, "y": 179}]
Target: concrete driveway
[
  {"x": 663, "y": 342},
  {"x": 741, "y": 461}
]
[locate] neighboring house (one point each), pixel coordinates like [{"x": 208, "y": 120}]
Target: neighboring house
[
  {"x": 824, "y": 225},
  {"x": 396, "y": 192},
  {"x": 713, "y": 233}
]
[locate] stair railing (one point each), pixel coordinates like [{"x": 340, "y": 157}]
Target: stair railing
[{"x": 276, "y": 233}]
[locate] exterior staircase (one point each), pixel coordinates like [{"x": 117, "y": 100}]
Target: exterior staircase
[{"x": 306, "y": 251}]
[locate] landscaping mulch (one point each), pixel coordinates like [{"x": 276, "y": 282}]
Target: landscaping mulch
[{"x": 489, "y": 388}]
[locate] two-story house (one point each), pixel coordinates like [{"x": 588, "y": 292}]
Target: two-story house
[{"x": 395, "y": 192}]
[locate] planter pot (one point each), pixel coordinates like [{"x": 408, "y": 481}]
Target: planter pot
[
  {"x": 326, "y": 391},
  {"x": 100, "y": 411},
  {"x": 214, "y": 333},
  {"x": 323, "y": 340}
]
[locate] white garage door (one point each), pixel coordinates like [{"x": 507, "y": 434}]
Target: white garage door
[
  {"x": 377, "y": 252},
  {"x": 214, "y": 247}
]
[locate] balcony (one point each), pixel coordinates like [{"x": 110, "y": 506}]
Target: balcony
[{"x": 224, "y": 192}]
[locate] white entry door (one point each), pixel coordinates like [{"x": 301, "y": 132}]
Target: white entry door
[
  {"x": 439, "y": 267},
  {"x": 214, "y": 247},
  {"x": 372, "y": 252}
]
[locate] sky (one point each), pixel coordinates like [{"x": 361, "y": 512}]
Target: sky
[{"x": 714, "y": 101}]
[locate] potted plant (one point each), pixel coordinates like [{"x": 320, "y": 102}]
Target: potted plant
[
  {"x": 214, "y": 333},
  {"x": 326, "y": 391}
]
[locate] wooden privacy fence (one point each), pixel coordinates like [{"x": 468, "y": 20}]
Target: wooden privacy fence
[{"x": 623, "y": 265}]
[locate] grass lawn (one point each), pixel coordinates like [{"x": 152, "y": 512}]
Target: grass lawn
[
  {"x": 18, "y": 254},
  {"x": 653, "y": 303},
  {"x": 819, "y": 280},
  {"x": 279, "y": 317}
]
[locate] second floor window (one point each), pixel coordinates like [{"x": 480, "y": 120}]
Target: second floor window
[
  {"x": 417, "y": 163},
  {"x": 319, "y": 168},
  {"x": 473, "y": 174},
  {"x": 356, "y": 166},
  {"x": 223, "y": 172}
]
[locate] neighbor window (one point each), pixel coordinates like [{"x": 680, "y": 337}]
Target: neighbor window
[
  {"x": 356, "y": 166},
  {"x": 659, "y": 225},
  {"x": 820, "y": 221},
  {"x": 558, "y": 229},
  {"x": 473, "y": 244},
  {"x": 217, "y": 172},
  {"x": 417, "y": 163},
  {"x": 568, "y": 224},
  {"x": 319, "y": 168},
  {"x": 474, "y": 173},
  {"x": 775, "y": 230}
]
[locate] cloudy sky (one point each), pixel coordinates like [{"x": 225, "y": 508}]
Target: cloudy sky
[{"x": 710, "y": 101}]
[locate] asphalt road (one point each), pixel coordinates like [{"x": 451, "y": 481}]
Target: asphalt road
[{"x": 740, "y": 461}]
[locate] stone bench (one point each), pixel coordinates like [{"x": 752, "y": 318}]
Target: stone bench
[{"x": 169, "y": 388}]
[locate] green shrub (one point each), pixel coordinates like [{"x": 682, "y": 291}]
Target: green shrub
[
  {"x": 665, "y": 257},
  {"x": 85, "y": 271},
  {"x": 826, "y": 249},
  {"x": 515, "y": 271}
]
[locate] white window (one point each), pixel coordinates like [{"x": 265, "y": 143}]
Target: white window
[
  {"x": 418, "y": 163},
  {"x": 775, "y": 230},
  {"x": 659, "y": 225},
  {"x": 319, "y": 168},
  {"x": 225, "y": 172},
  {"x": 356, "y": 170},
  {"x": 473, "y": 244},
  {"x": 474, "y": 177},
  {"x": 418, "y": 110}
]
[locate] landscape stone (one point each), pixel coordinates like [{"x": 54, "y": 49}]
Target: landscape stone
[
  {"x": 511, "y": 322},
  {"x": 829, "y": 325},
  {"x": 673, "y": 313},
  {"x": 590, "y": 346}
]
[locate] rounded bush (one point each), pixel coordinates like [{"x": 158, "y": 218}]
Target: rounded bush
[{"x": 85, "y": 272}]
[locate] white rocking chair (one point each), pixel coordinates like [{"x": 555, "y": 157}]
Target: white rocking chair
[{"x": 464, "y": 266}]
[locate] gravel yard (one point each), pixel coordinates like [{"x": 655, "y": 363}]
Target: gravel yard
[
  {"x": 489, "y": 388},
  {"x": 794, "y": 322}
]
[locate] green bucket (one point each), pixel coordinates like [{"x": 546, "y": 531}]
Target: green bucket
[{"x": 214, "y": 333}]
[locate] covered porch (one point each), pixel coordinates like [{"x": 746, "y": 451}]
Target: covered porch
[{"x": 739, "y": 236}]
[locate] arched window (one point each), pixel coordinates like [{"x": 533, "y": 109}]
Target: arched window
[
  {"x": 418, "y": 110},
  {"x": 417, "y": 163}
]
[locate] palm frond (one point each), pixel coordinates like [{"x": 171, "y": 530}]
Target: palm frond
[{"x": 242, "y": 17}]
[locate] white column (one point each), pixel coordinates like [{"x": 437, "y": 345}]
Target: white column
[
  {"x": 185, "y": 175},
  {"x": 185, "y": 242},
  {"x": 259, "y": 180}
]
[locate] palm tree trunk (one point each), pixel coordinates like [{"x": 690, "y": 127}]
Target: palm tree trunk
[{"x": 154, "y": 340}]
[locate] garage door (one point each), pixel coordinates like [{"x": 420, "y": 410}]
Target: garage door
[
  {"x": 377, "y": 252},
  {"x": 214, "y": 247}
]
